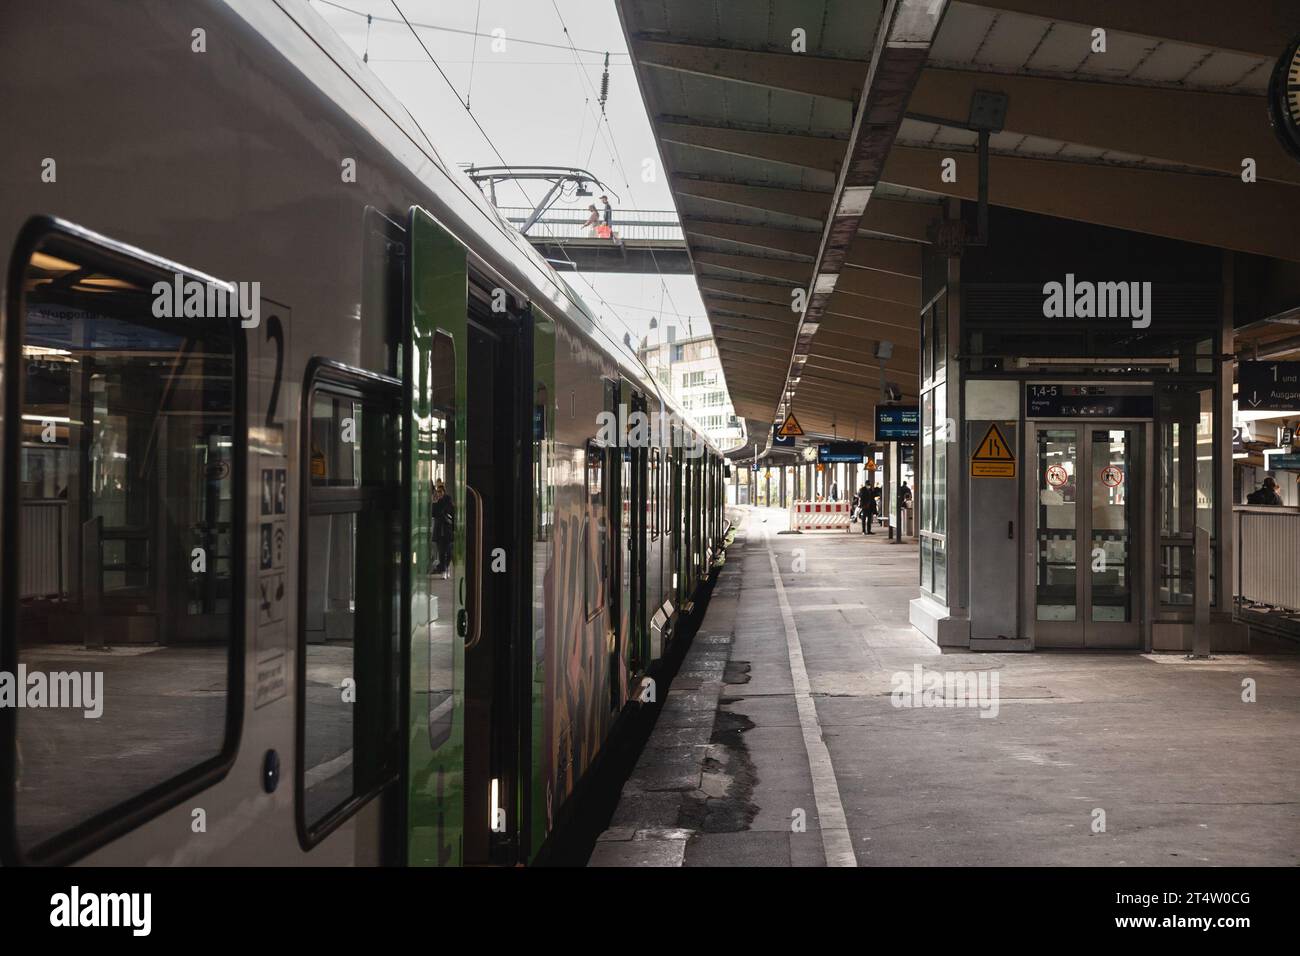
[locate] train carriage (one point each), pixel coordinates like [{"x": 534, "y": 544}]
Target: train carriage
[{"x": 303, "y": 467}]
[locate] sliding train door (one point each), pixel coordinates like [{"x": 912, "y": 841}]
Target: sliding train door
[
  {"x": 472, "y": 419},
  {"x": 435, "y": 623},
  {"x": 498, "y": 557}
]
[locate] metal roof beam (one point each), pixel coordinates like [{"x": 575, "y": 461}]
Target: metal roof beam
[
  {"x": 1262, "y": 29},
  {"x": 755, "y": 265},
  {"x": 828, "y": 77},
  {"x": 804, "y": 203},
  {"x": 760, "y": 291},
  {"x": 803, "y": 152},
  {"x": 886, "y": 255},
  {"x": 1219, "y": 211},
  {"x": 1158, "y": 122},
  {"x": 789, "y": 241}
]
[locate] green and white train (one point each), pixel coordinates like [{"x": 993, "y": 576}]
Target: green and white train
[{"x": 233, "y": 378}]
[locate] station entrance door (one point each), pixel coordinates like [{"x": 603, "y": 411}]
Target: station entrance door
[{"x": 1085, "y": 501}]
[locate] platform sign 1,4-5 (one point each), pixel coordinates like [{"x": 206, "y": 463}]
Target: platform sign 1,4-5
[{"x": 1268, "y": 386}]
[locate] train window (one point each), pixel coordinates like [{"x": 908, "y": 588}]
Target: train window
[
  {"x": 595, "y": 547},
  {"x": 442, "y": 476},
  {"x": 120, "y": 602},
  {"x": 654, "y": 493},
  {"x": 383, "y": 281},
  {"x": 351, "y": 588}
]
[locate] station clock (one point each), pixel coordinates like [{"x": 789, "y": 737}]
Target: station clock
[{"x": 1284, "y": 98}]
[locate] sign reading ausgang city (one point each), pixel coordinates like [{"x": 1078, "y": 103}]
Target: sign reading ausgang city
[
  {"x": 1064, "y": 400},
  {"x": 1268, "y": 386}
]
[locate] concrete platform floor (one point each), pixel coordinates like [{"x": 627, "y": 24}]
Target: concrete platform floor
[{"x": 1162, "y": 752}]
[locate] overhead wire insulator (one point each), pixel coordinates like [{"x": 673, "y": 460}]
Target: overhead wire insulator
[{"x": 604, "y": 85}]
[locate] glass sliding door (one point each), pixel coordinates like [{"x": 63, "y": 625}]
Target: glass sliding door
[{"x": 1084, "y": 489}]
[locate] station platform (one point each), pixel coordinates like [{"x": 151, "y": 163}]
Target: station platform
[{"x": 782, "y": 741}]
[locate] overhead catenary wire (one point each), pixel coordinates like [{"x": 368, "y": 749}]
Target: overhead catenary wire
[
  {"x": 496, "y": 152},
  {"x": 615, "y": 156},
  {"x": 452, "y": 87},
  {"x": 474, "y": 32},
  {"x": 473, "y": 53}
]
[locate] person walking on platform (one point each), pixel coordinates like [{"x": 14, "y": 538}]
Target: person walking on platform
[
  {"x": 866, "y": 507},
  {"x": 1266, "y": 495}
]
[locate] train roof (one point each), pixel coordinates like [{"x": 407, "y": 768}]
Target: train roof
[{"x": 312, "y": 46}]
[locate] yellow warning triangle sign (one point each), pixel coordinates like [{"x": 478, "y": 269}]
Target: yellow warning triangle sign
[
  {"x": 994, "y": 447},
  {"x": 790, "y": 428},
  {"x": 993, "y": 458}
]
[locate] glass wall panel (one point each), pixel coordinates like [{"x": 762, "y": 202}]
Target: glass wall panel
[
  {"x": 939, "y": 443},
  {"x": 1057, "y": 579}
]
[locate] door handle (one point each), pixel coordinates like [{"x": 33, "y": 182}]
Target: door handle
[
  {"x": 1011, "y": 530},
  {"x": 474, "y": 604}
]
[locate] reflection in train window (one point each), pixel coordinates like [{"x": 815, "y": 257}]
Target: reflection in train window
[
  {"x": 654, "y": 493},
  {"x": 442, "y": 521},
  {"x": 351, "y": 588},
  {"x": 125, "y": 539},
  {"x": 594, "y": 531}
]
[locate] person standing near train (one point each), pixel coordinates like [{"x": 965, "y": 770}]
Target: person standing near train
[{"x": 443, "y": 517}]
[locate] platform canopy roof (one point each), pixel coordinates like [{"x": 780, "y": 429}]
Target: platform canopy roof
[{"x": 804, "y": 141}]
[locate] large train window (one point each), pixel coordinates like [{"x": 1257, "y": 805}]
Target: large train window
[
  {"x": 119, "y": 679},
  {"x": 348, "y": 675}
]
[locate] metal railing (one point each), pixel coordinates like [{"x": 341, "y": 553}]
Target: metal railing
[
  {"x": 634, "y": 224},
  {"x": 1268, "y": 556}
]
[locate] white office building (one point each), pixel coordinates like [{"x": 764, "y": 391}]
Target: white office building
[{"x": 691, "y": 371}]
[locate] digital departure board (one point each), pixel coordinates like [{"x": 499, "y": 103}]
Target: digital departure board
[{"x": 897, "y": 423}]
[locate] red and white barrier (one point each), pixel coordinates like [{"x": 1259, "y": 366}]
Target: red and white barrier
[{"x": 819, "y": 515}]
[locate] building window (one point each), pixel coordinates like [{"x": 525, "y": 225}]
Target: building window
[{"x": 127, "y": 528}]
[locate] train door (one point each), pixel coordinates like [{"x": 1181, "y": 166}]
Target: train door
[
  {"x": 470, "y": 378},
  {"x": 613, "y": 542},
  {"x": 435, "y": 352},
  {"x": 632, "y": 543},
  {"x": 677, "y": 520},
  {"x": 498, "y": 558}
]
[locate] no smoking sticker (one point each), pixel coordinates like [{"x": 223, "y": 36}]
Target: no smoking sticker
[{"x": 1112, "y": 476}]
